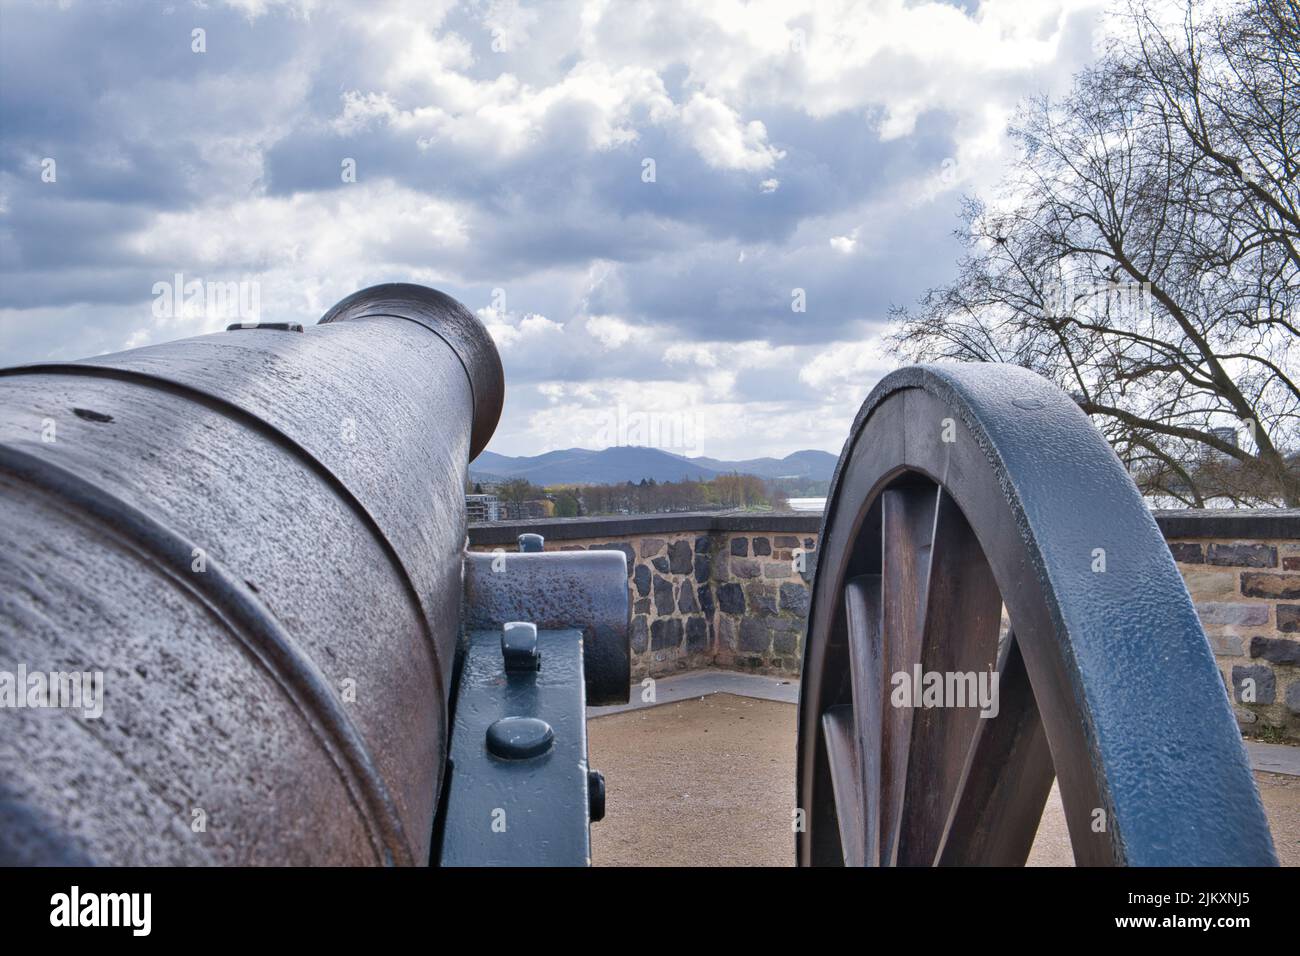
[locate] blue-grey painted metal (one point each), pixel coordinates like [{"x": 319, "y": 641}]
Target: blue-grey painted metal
[
  {"x": 257, "y": 537},
  {"x": 1142, "y": 735},
  {"x": 518, "y": 795},
  {"x": 520, "y": 738},
  {"x": 519, "y": 646},
  {"x": 560, "y": 589}
]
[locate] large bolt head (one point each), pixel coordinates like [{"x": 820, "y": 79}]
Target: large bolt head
[{"x": 519, "y": 738}]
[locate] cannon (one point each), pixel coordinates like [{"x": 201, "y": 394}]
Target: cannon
[
  {"x": 977, "y": 525},
  {"x": 255, "y": 540}
]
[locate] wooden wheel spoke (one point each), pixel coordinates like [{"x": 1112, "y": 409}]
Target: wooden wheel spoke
[
  {"x": 963, "y": 611},
  {"x": 1006, "y": 780},
  {"x": 907, "y": 522},
  {"x": 862, "y": 613},
  {"x": 838, "y": 736}
]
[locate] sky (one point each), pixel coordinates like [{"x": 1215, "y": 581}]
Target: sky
[{"x": 683, "y": 223}]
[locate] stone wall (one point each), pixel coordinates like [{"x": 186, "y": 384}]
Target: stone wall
[
  {"x": 1245, "y": 581},
  {"x": 706, "y": 592},
  {"x": 732, "y": 590}
]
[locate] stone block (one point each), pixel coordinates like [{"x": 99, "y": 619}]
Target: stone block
[
  {"x": 663, "y": 595},
  {"x": 651, "y": 546},
  {"x": 1265, "y": 689},
  {"x": 727, "y": 634},
  {"x": 1212, "y": 584},
  {"x": 762, "y": 600},
  {"x": 785, "y": 636},
  {"x": 1239, "y": 615},
  {"x": 641, "y": 578},
  {"x": 1225, "y": 645},
  {"x": 1242, "y": 554},
  {"x": 1275, "y": 586},
  {"x": 697, "y": 634},
  {"x": 680, "y": 557},
  {"x": 755, "y": 636},
  {"x": 686, "y": 602},
  {"x": 1277, "y": 650},
  {"x": 665, "y": 633},
  {"x": 1187, "y": 552},
  {"x": 794, "y": 598},
  {"x": 731, "y": 598}
]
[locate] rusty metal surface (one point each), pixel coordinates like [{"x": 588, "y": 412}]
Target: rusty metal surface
[
  {"x": 455, "y": 325},
  {"x": 291, "y": 696},
  {"x": 586, "y": 590}
]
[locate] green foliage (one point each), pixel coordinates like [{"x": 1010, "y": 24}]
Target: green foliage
[{"x": 567, "y": 504}]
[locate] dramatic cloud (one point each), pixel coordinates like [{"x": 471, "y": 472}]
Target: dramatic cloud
[{"x": 702, "y": 208}]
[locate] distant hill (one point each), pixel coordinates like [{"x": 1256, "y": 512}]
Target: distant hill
[
  {"x": 633, "y": 463},
  {"x": 811, "y": 463}
]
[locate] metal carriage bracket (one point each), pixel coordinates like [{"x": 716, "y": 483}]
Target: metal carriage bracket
[{"x": 545, "y": 634}]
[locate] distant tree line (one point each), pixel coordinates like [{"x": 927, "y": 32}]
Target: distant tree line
[{"x": 648, "y": 496}]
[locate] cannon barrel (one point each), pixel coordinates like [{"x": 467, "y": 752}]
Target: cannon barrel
[{"x": 257, "y": 537}]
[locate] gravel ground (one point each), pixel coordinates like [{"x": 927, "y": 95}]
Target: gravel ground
[{"x": 710, "y": 782}]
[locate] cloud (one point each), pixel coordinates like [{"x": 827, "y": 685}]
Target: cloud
[
  {"x": 717, "y": 133},
  {"x": 497, "y": 152},
  {"x": 609, "y": 331},
  {"x": 845, "y": 244},
  {"x": 531, "y": 330}
]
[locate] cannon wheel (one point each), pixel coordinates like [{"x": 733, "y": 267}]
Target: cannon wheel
[{"x": 977, "y": 522}]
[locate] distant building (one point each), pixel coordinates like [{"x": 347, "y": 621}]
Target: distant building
[
  {"x": 1228, "y": 435},
  {"x": 483, "y": 507},
  {"x": 523, "y": 510},
  {"x": 1225, "y": 434}
]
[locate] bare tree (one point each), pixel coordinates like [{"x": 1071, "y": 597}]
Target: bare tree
[
  {"x": 1144, "y": 253},
  {"x": 515, "y": 492}
]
